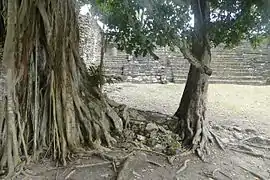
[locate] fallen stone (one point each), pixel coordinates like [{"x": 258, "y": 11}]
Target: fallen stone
[
  {"x": 159, "y": 147},
  {"x": 131, "y": 165},
  {"x": 238, "y": 135},
  {"x": 267, "y": 81},
  {"x": 250, "y": 131},
  {"x": 237, "y": 129},
  {"x": 162, "y": 129},
  {"x": 216, "y": 127},
  {"x": 225, "y": 140},
  {"x": 141, "y": 138},
  {"x": 151, "y": 127}
]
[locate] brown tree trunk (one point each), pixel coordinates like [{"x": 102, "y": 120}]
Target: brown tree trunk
[
  {"x": 193, "y": 126},
  {"x": 52, "y": 103}
]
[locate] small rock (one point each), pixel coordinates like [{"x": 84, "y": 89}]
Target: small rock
[
  {"x": 153, "y": 134},
  {"x": 237, "y": 129},
  {"x": 141, "y": 138},
  {"x": 267, "y": 81},
  {"x": 159, "y": 147},
  {"x": 238, "y": 135},
  {"x": 225, "y": 140},
  {"x": 162, "y": 129},
  {"x": 216, "y": 127},
  {"x": 151, "y": 127},
  {"x": 251, "y": 131},
  {"x": 136, "y": 174},
  {"x": 105, "y": 175}
]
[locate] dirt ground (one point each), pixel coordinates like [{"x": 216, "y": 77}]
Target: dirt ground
[{"x": 239, "y": 116}]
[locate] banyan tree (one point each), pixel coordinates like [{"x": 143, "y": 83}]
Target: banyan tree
[{"x": 50, "y": 105}]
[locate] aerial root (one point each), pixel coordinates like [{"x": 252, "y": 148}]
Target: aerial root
[{"x": 253, "y": 173}]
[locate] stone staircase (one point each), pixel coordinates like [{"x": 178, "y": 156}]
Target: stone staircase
[{"x": 229, "y": 67}]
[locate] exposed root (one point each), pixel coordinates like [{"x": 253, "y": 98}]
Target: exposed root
[
  {"x": 70, "y": 174},
  {"x": 20, "y": 170},
  {"x": 27, "y": 174},
  {"x": 92, "y": 165},
  {"x": 114, "y": 166},
  {"x": 218, "y": 170},
  {"x": 154, "y": 163},
  {"x": 105, "y": 156},
  {"x": 122, "y": 171},
  {"x": 242, "y": 147},
  {"x": 172, "y": 158},
  {"x": 253, "y": 173},
  {"x": 151, "y": 151},
  {"x": 250, "y": 153},
  {"x": 258, "y": 140},
  {"x": 213, "y": 173},
  {"x": 257, "y": 146},
  {"x": 183, "y": 167},
  {"x": 218, "y": 141}
]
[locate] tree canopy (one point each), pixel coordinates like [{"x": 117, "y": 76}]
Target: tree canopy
[{"x": 140, "y": 26}]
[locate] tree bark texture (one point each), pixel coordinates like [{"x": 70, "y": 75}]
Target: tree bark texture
[
  {"x": 193, "y": 126},
  {"x": 52, "y": 103}
]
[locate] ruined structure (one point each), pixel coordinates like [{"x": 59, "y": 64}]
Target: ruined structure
[
  {"x": 241, "y": 65},
  {"x": 90, "y": 41}
]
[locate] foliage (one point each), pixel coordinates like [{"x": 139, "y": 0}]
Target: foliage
[{"x": 140, "y": 26}]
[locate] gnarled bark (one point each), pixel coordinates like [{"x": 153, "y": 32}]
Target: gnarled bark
[
  {"x": 193, "y": 126},
  {"x": 52, "y": 104}
]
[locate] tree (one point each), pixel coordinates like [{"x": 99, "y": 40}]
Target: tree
[
  {"x": 215, "y": 22},
  {"x": 140, "y": 26},
  {"x": 52, "y": 105}
]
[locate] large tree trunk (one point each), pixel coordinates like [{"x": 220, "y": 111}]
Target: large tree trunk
[
  {"x": 193, "y": 126},
  {"x": 52, "y": 104}
]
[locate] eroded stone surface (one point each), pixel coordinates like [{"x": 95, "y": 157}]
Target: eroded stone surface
[{"x": 241, "y": 65}]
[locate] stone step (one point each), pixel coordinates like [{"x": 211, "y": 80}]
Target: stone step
[
  {"x": 179, "y": 64},
  {"x": 214, "y": 63},
  {"x": 221, "y": 73},
  {"x": 223, "y": 81},
  {"x": 225, "y": 69},
  {"x": 226, "y": 77},
  {"x": 232, "y": 70}
]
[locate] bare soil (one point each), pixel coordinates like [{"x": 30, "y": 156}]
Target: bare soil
[{"x": 239, "y": 116}]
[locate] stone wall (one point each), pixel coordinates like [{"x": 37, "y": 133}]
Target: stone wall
[
  {"x": 90, "y": 41},
  {"x": 241, "y": 65}
]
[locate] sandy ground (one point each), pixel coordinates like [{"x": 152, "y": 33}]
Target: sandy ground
[
  {"x": 239, "y": 116},
  {"x": 237, "y": 104}
]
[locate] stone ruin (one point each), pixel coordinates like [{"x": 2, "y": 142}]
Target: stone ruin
[{"x": 240, "y": 65}]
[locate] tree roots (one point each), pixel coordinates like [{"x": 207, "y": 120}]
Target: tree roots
[{"x": 53, "y": 106}]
